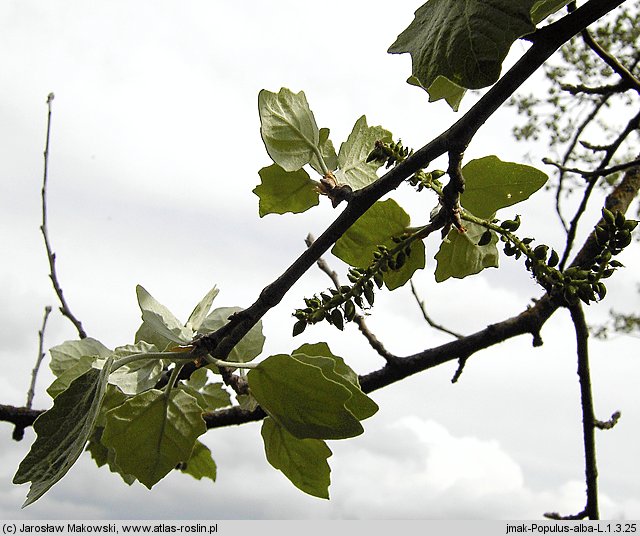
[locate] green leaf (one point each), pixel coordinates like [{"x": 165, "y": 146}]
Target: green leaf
[
  {"x": 302, "y": 461},
  {"x": 139, "y": 375},
  {"x": 84, "y": 364},
  {"x": 302, "y": 399},
  {"x": 353, "y": 169},
  {"x": 249, "y": 347},
  {"x": 62, "y": 433},
  {"x": 160, "y": 320},
  {"x": 201, "y": 464},
  {"x": 442, "y": 88},
  {"x": 210, "y": 396},
  {"x": 333, "y": 367},
  {"x": 151, "y": 433},
  {"x": 67, "y": 354},
  {"x": 543, "y": 8},
  {"x": 465, "y": 42},
  {"x": 491, "y": 184},
  {"x": 322, "y": 349},
  {"x": 288, "y": 128},
  {"x": 377, "y": 226},
  {"x": 327, "y": 151},
  {"x": 104, "y": 456},
  {"x": 283, "y": 191},
  {"x": 201, "y": 310},
  {"x": 460, "y": 255}
]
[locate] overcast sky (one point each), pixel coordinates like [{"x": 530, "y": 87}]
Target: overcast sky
[{"x": 155, "y": 150}]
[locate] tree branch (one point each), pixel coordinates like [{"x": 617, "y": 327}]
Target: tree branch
[{"x": 51, "y": 256}]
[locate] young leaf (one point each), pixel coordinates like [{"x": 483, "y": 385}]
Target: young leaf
[
  {"x": 332, "y": 367},
  {"x": 201, "y": 464},
  {"x": 491, "y": 184},
  {"x": 288, "y": 128},
  {"x": 327, "y": 151},
  {"x": 460, "y": 255},
  {"x": 151, "y": 433},
  {"x": 302, "y": 399},
  {"x": 382, "y": 221},
  {"x": 67, "y": 354},
  {"x": 63, "y": 432},
  {"x": 210, "y": 396},
  {"x": 442, "y": 88},
  {"x": 201, "y": 310},
  {"x": 283, "y": 191},
  {"x": 302, "y": 461},
  {"x": 139, "y": 375},
  {"x": 84, "y": 364},
  {"x": 160, "y": 320},
  {"x": 249, "y": 347},
  {"x": 465, "y": 42},
  {"x": 353, "y": 169}
]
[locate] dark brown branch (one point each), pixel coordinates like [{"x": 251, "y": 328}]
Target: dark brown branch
[
  {"x": 453, "y": 140},
  {"x": 608, "y": 90},
  {"x": 608, "y": 58},
  {"x": 597, "y": 172},
  {"x": 34, "y": 373},
  {"x": 51, "y": 256},
  {"x": 632, "y": 125}
]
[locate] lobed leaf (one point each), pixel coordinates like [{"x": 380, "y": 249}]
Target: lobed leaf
[
  {"x": 442, "y": 88},
  {"x": 327, "y": 151},
  {"x": 460, "y": 255},
  {"x": 63, "y": 432},
  {"x": 302, "y": 461},
  {"x": 465, "y": 42},
  {"x": 354, "y": 170},
  {"x": 288, "y": 128},
  {"x": 299, "y": 397},
  {"x": 67, "y": 354},
  {"x": 139, "y": 375},
  {"x": 210, "y": 396},
  {"x": 201, "y": 464},
  {"x": 151, "y": 433},
  {"x": 201, "y": 310},
  {"x": 160, "y": 320},
  {"x": 283, "y": 191}
]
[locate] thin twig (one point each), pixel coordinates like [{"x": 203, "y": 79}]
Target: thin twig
[
  {"x": 596, "y": 172},
  {"x": 426, "y": 316},
  {"x": 358, "y": 319},
  {"x": 41, "y": 354},
  {"x": 51, "y": 256}
]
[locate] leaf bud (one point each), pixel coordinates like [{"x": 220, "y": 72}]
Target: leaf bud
[
  {"x": 299, "y": 327},
  {"x": 378, "y": 278},
  {"x": 553, "y": 258},
  {"x": 511, "y": 225},
  {"x": 336, "y": 318},
  {"x": 608, "y": 216},
  {"x": 368, "y": 294},
  {"x": 630, "y": 225},
  {"x": 349, "y": 310},
  {"x": 602, "y": 235},
  {"x": 620, "y": 219},
  {"x": 540, "y": 252}
]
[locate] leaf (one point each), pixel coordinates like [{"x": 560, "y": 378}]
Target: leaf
[
  {"x": 333, "y": 367},
  {"x": 377, "y": 226},
  {"x": 283, "y": 191},
  {"x": 139, "y": 375},
  {"x": 288, "y": 128},
  {"x": 301, "y": 398},
  {"x": 491, "y": 184},
  {"x": 210, "y": 396},
  {"x": 84, "y": 364},
  {"x": 543, "y": 8},
  {"x": 201, "y": 464},
  {"x": 466, "y": 42},
  {"x": 151, "y": 433},
  {"x": 159, "y": 319},
  {"x": 104, "y": 456},
  {"x": 327, "y": 151},
  {"x": 442, "y": 88},
  {"x": 353, "y": 169},
  {"x": 201, "y": 310},
  {"x": 62, "y": 433},
  {"x": 249, "y": 347},
  {"x": 67, "y": 354},
  {"x": 460, "y": 255},
  {"x": 302, "y": 461}
]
